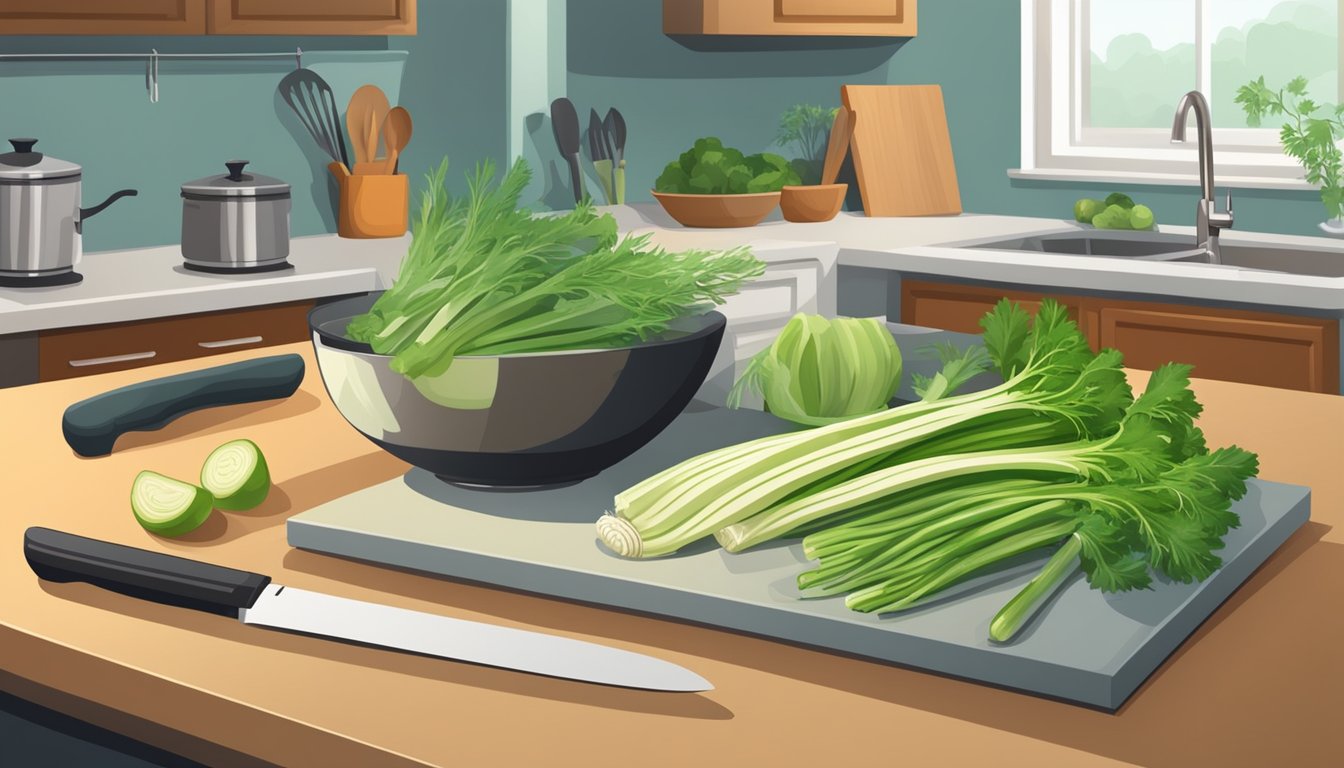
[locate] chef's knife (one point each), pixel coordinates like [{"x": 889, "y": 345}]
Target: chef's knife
[
  {"x": 256, "y": 600},
  {"x": 565, "y": 126},
  {"x": 615, "y": 128}
]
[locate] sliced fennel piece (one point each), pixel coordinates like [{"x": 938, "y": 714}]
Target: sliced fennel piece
[
  {"x": 167, "y": 506},
  {"x": 237, "y": 475}
]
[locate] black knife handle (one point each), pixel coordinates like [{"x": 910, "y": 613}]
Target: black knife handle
[
  {"x": 92, "y": 426},
  {"x": 60, "y": 556},
  {"x": 576, "y": 177}
]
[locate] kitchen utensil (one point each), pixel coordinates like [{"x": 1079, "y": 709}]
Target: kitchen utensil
[
  {"x": 615, "y": 129},
  {"x": 373, "y": 205},
  {"x": 256, "y": 600},
  {"x": 598, "y": 151},
  {"x": 902, "y": 152},
  {"x": 515, "y": 420},
  {"x": 235, "y": 220},
  {"x": 718, "y": 210},
  {"x": 312, "y": 100},
  {"x": 812, "y": 203},
  {"x": 837, "y": 146},
  {"x": 364, "y": 118},
  {"x": 1087, "y": 647},
  {"x": 92, "y": 426},
  {"x": 41, "y": 221},
  {"x": 565, "y": 126},
  {"x": 338, "y": 170},
  {"x": 397, "y": 129}
]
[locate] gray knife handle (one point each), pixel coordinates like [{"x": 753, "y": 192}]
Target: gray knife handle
[
  {"x": 58, "y": 556},
  {"x": 92, "y": 426}
]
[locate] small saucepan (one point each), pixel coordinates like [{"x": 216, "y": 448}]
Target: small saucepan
[{"x": 235, "y": 222}]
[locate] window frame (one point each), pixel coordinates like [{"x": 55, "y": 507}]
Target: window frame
[{"x": 1056, "y": 145}]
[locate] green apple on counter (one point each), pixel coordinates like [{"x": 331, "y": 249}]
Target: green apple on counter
[{"x": 1117, "y": 211}]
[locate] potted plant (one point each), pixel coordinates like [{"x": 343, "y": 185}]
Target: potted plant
[
  {"x": 805, "y": 128},
  {"x": 711, "y": 185},
  {"x": 1308, "y": 135}
]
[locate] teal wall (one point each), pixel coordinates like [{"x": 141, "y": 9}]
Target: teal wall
[
  {"x": 672, "y": 91},
  {"x": 97, "y": 114}
]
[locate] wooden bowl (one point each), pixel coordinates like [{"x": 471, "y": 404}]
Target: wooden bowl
[
  {"x": 718, "y": 210},
  {"x": 812, "y": 203}
]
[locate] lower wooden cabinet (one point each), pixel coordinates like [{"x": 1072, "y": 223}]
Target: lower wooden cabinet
[
  {"x": 64, "y": 354},
  {"x": 1270, "y": 349}
]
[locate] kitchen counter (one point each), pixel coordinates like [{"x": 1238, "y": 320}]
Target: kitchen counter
[
  {"x": 1260, "y": 683},
  {"x": 915, "y": 245},
  {"x": 144, "y": 283}
]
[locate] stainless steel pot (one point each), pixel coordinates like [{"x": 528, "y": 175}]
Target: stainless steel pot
[
  {"x": 41, "y": 223},
  {"x": 236, "y": 220}
]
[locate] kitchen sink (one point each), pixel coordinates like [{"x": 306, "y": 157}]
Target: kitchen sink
[{"x": 1313, "y": 261}]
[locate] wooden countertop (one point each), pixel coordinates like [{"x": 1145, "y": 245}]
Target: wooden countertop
[{"x": 1261, "y": 683}]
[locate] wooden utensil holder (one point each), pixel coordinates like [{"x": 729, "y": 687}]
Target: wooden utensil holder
[{"x": 373, "y": 205}]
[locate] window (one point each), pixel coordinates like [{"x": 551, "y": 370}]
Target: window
[{"x": 1101, "y": 78}]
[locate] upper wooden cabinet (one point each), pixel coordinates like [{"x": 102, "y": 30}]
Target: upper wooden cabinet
[
  {"x": 894, "y": 18},
  {"x": 311, "y": 17},
  {"x": 201, "y": 17},
  {"x": 105, "y": 17}
]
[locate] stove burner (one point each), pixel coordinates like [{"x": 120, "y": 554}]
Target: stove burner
[
  {"x": 213, "y": 270},
  {"x": 40, "y": 281}
]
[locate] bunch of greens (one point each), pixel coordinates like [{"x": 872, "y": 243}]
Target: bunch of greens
[
  {"x": 819, "y": 371},
  {"x": 1309, "y": 135},
  {"x": 709, "y": 168},
  {"x": 1117, "y": 211},
  {"x": 902, "y": 504},
  {"x": 805, "y": 128},
  {"x": 483, "y": 277}
]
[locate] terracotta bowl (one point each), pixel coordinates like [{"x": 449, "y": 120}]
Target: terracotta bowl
[
  {"x": 718, "y": 210},
  {"x": 812, "y": 203}
]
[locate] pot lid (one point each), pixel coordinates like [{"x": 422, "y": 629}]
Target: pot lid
[
  {"x": 25, "y": 163},
  {"x": 235, "y": 183}
]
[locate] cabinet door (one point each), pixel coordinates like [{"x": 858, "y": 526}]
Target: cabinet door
[
  {"x": 67, "y": 353},
  {"x": 1250, "y": 347},
  {"x": 952, "y": 307},
  {"x": 790, "y": 17},
  {"x": 312, "y": 17},
  {"x": 107, "y": 17}
]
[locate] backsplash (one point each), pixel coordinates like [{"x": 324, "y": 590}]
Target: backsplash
[
  {"x": 97, "y": 113},
  {"x": 673, "y": 91}
]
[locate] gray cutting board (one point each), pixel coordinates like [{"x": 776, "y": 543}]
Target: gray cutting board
[{"x": 1086, "y": 647}]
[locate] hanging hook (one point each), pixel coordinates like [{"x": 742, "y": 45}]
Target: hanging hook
[
  {"x": 298, "y": 57},
  {"x": 152, "y": 75}
]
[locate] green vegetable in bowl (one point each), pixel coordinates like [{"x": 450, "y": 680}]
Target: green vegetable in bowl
[
  {"x": 485, "y": 278},
  {"x": 1120, "y": 199},
  {"x": 709, "y": 168},
  {"x": 167, "y": 506},
  {"x": 820, "y": 371},
  {"x": 236, "y": 474},
  {"x": 1086, "y": 208}
]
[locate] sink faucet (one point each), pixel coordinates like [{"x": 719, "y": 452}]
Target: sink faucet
[{"x": 1208, "y": 220}]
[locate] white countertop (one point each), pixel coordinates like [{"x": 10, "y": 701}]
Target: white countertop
[
  {"x": 151, "y": 282},
  {"x": 917, "y": 246}
]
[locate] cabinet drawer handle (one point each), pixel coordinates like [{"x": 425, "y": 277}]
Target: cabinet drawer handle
[
  {"x": 111, "y": 359},
  {"x": 229, "y": 342}
]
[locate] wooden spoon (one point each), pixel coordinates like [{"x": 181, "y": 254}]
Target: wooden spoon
[
  {"x": 368, "y": 107},
  {"x": 397, "y": 128},
  {"x": 838, "y": 145}
]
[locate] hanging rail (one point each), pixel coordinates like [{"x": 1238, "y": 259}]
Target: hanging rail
[{"x": 152, "y": 61}]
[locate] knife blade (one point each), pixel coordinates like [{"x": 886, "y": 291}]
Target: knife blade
[{"x": 257, "y": 601}]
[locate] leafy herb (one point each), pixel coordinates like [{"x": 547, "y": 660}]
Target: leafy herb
[
  {"x": 1309, "y": 135},
  {"x": 806, "y": 127},
  {"x": 483, "y": 277},
  {"x": 709, "y": 168}
]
